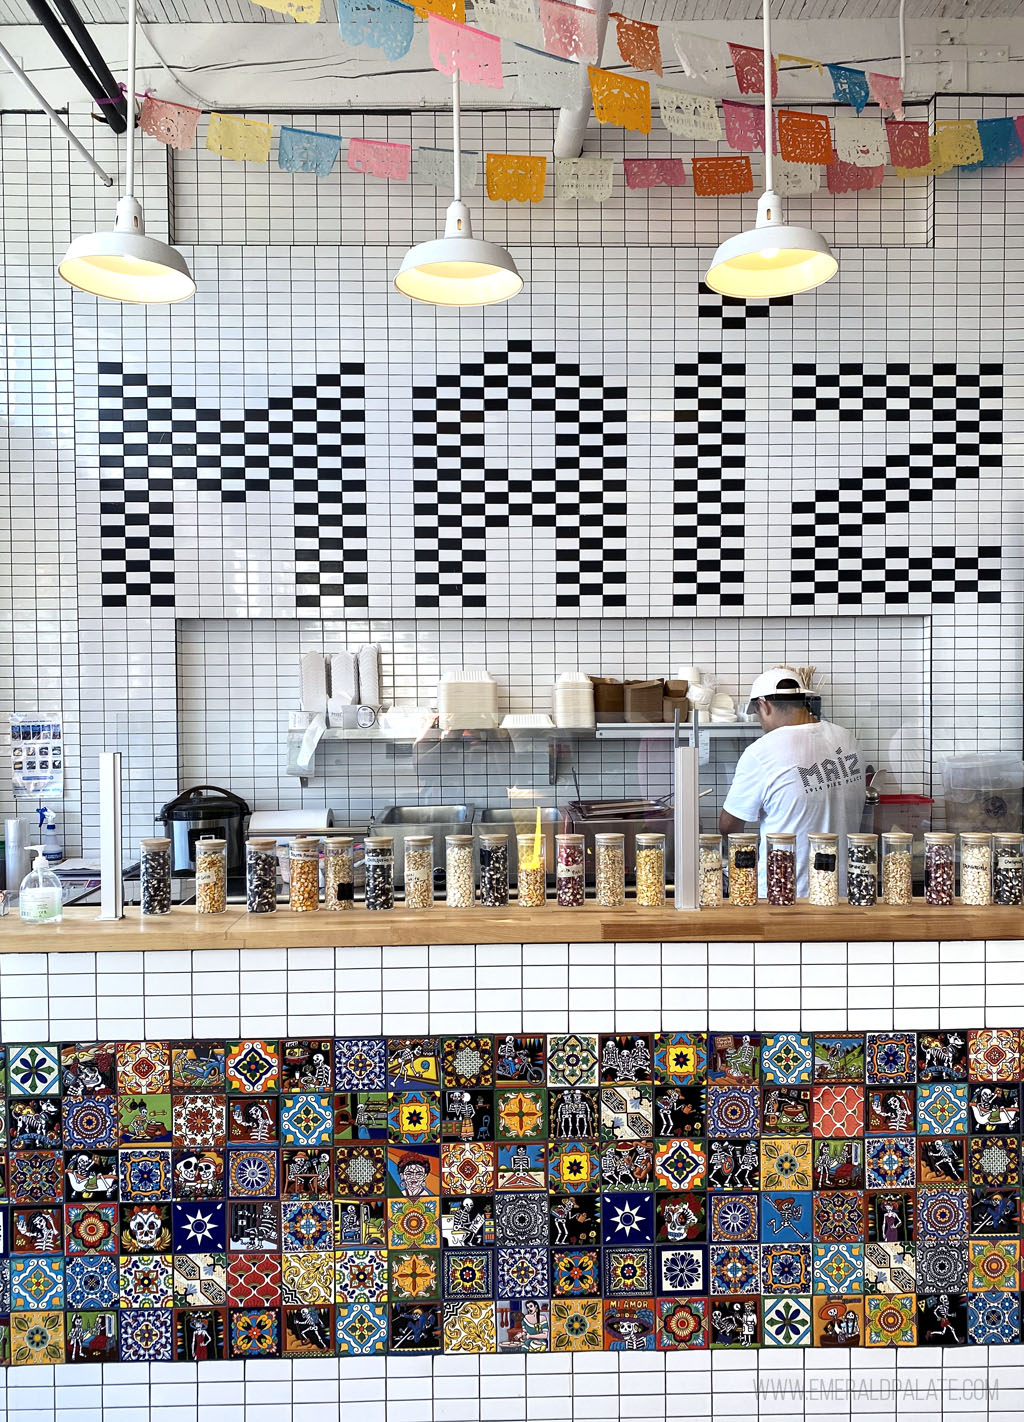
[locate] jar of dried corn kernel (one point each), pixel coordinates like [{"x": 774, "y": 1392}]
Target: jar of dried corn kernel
[
  {"x": 939, "y": 868},
  {"x": 610, "y": 869},
  {"x": 211, "y": 875},
  {"x": 976, "y": 869},
  {"x": 781, "y": 869},
  {"x": 710, "y": 871},
  {"x": 897, "y": 867},
  {"x": 823, "y": 870},
  {"x": 650, "y": 870},
  {"x": 304, "y": 871},
  {"x": 494, "y": 870},
  {"x": 339, "y": 875},
  {"x": 571, "y": 889},
  {"x": 1008, "y": 851},
  {"x": 531, "y": 871},
  {"x": 743, "y": 870},
  {"x": 861, "y": 870},
  {"x": 379, "y": 861}
]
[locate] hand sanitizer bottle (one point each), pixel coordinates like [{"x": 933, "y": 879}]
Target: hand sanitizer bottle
[{"x": 41, "y": 899}]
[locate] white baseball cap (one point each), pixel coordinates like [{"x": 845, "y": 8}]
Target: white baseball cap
[{"x": 778, "y": 681}]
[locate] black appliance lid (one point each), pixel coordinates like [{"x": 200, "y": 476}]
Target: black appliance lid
[{"x": 196, "y": 804}]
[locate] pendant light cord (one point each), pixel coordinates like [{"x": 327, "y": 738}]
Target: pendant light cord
[
  {"x": 456, "y": 133},
  {"x": 129, "y": 166},
  {"x": 767, "y": 77}
]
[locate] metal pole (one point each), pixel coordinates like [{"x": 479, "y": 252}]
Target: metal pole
[
  {"x": 111, "y": 881},
  {"x": 457, "y": 135},
  {"x": 53, "y": 116},
  {"x": 129, "y": 167},
  {"x": 766, "y": 63},
  {"x": 686, "y": 813}
]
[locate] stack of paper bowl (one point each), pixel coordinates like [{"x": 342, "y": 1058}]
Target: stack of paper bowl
[
  {"x": 573, "y": 700},
  {"x": 467, "y": 700}
]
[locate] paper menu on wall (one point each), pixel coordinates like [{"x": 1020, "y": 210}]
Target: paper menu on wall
[{"x": 37, "y": 755}]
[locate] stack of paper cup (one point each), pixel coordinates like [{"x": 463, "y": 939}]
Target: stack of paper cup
[{"x": 573, "y": 700}]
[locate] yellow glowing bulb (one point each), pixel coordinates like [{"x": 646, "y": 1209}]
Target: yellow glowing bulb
[{"x": 769, "y": 253}]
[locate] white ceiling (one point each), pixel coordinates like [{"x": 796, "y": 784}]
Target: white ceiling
[{"x": 16, "y": 12}]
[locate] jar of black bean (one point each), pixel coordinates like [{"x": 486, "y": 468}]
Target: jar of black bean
[
  {"x": 939, "y": 869},
  {"x": 155, "y": 876},
  {"x": 379, "y": 861},
  {"x": 261, "y": 875},
  {"x": 1008, "y": 879},
  {"x": 862, "y": 870},
  {"x": 780, "y": 869},
  {"x": 494, "y": 870}
]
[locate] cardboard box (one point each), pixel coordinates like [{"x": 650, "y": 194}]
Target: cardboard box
[
  {"x": 608, "y": 696},
  {"x": 643, "y": 700},
  {"x": 675, "y": 699}
]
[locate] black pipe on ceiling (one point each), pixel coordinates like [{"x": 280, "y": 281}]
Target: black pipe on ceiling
[{"x": 110, "y": 100}]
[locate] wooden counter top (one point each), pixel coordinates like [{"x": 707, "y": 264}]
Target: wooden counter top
[{"x": 184, "y": 928}]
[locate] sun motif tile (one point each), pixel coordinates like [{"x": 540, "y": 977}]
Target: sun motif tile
[
  {"x": 994, "y": 1266},
  {"x": 414, "y": 1117},
  {"x": 787, "y": 1059}
]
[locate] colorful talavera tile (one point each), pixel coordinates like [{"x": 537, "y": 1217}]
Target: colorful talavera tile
[
  {"x": 787, "y": 1059},
  {"x": 469, "y": 1274},
  {"x": 252, "y": 1066},
  {"x": 143, "y": 1068},
  {"x": 994, "y": 1265},
  {"x": 890, "y": 1322},
  {"x": 36, "y": 1177},
  {"x": 993, "y": 1319},
  {"x": 891, "y": 1058},
  {"x": 92, "y": 1282},
  {"x": 627, "y": 1112},
  {"x": 734, "y": 1268},
  {"x": 576, "y": 1326},
  {"x": 253, "y": 1279},
  {"x": 628, "y": 1272},
  {"x": 307, "y": 1119},
  {"x": 733, "y": 1111},
  {"x": 254, "y": 1332},
  {"x": 252, "y": 1173},
  {"x": 786, "y": 1164},
  {"x": 839, "y": 1216},
  {"x": 307, "y": 1278},
  {"x": 682, "y": 1323},
  {"x": 838, "y": 1322},
  {"x": 361, "y": 1328},
  {"x": 680, "y": 1058},
  {"x": 467, "y": 1061},
  {"x": 890, "y": 1268},
  {"x": 360, "y": 1171},
  {"x": 91, "y": 1229},
  {"x": 523, "y": 1273},
  {"x": 414, "y": 1117},
  {"x": 200, "y": 1280},
  {"x": 993, "y": 1054},
  {"x": 733, "y": 1218},
  {"x": 147, "y": 1335},
  {"x": 198, "y": 1066},
  {"x": 360, "y": 1064},
  {"x": 837, "y": 1110},
  {"x": 145, "y": 1229},
  {"x": 942, "y": 1056},
  {"x": 682, "y": 1269},
  {"x": 942, "y": 1213},
  {"x": 785, "y": 1268},
  {"x": 576, "y": 1273},
  {"x": 942, "y": 1109},
  {"x": 521, "y": 1114},
  {"x": 680, "y": 1165},
  {"x": 33, "y": 1070},
  {"x": 572, "y": 1060},
  {"x": 361, "y": 1276},
  {"x": 37, "y": 1338},
  {"x": 413, "y": 1224},
  {"x": 994, "y": 1161},
  {"x": 574, "y": 1167},
  {"x": 838, "y": 1269},
  {"x": 786, "y": 1322},
  {"x": 891, "y": 1162},
  {"x": 470, "y": 1327},
  {"x": 942, "y": 1266},
  {"x": 146, "y": 1281},
  {"x": 37, "y": 1282},
  {"x": 839, "y": 1057},
  {"x": 198, "y": 1121},
  {"x": 90, "y": 1124},
  {"x": 145, "y": 1173}
]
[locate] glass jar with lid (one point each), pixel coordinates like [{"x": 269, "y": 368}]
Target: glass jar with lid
[
  {"x": 460, "y": 886},
  {"x": 211, "y": 875},
  {"x": 939, "y": 868},
  {"x": 743, "y": 870},
  {"x": 419, "y": 871},
  {"x": 709, "y": 871},
  {"x": 379, "y": 862},
  {"x": 261, "y": 875},
  {"x": 494, "y": 870},
  {"x": 650, "y": 870},
  {"x": 531, "y": 871},
  {"x": 823, "y": 870},
  {"x": 861, "y": 870},
  {"x": 154, "y": 876},
  {"x": 610, "y": 869},
  {"x": 976, "y": 869},
  {"x": 569, "y": 882},
  {"x": 304, "y": 874},
  {"x": 897, "y": 868},
  {"x": 780, "y": 871},
  {"x": 339, "y": 873},
  {"x": 1008, "y": 861}
]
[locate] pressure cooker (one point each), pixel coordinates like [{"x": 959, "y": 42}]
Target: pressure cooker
[{"x": 204, "y": 810}]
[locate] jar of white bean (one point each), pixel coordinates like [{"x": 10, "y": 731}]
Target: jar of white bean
[
  {"x": 610, "y": 869},
  {"x": 743, "y": 870},
  {"x": 897, "y": 867},
  {"x": 710, "y": 871},
  {"x": 976, "y": 869},
  {"x": 460, "y": 888},
  {"x": 823, "y": 870},
  {"x": 419, "y": 871}
]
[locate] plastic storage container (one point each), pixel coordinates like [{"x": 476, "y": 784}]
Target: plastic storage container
[
  {"x": 939, "y": 868},
  {"x": 743, "y": 870},
  {"x": 460, "y": 888},
  {"x": 861, "y": 870},
  {"x": 531, "y": 874},
  {"x": 494, "y": 870},
  {"x": 823, "y": 870},
  {"x": 897, "y": 867},
  {"x": 419, "y": 871},
  {"x": 339, "y": 873},
  {"x": 261, "y": 875},
  {"x": 650, "y": 870},
  {"x": 610, "y": 869},
  {"x": 710, "y": 894},
  {"x": 781, "y": 869},
  {"x": 571, "y": 887},
  {"x": 1008, "y": 876},
  {"x": 211, "y": 875},
  {"x": 983, "y": 791},
  {"x": 976, "y": 869},
  {"x": 304, "y": 874},
  {"x": 154, "y": 876},
  {"x": 379, "y": 861}
]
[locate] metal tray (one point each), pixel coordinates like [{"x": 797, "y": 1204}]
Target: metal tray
[
  {"x": 524, "y": 821},
  {"x": 435, "y": 820}
]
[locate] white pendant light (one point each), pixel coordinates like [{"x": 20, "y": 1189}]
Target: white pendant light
[
  {"x": 123, "y": 264},
  {"x": 456, "y": 269},
  {"x": 774, "y": 259}
]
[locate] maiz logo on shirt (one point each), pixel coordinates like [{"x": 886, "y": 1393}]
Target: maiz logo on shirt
[{"x": 843, "y": 770}]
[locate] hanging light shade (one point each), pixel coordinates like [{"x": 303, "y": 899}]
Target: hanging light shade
[
  {"x": 458, "y": 270},
  {"x": 774, "y": 259},
  {"x": 122, "y": 263}
]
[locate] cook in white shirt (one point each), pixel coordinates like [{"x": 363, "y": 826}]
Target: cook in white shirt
[{"x": 803, "y": 776}]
